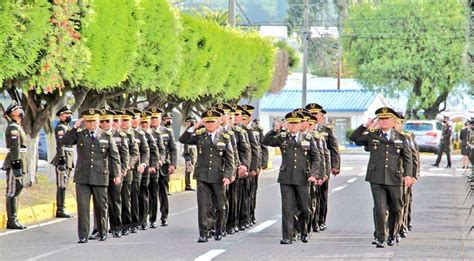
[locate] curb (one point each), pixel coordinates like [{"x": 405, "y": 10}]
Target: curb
[{"x": 47, "y": 211}]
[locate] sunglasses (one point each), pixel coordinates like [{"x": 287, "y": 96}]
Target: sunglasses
[{"x": 102, "y": 121}]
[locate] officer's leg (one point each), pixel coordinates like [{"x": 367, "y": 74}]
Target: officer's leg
[
  {"x": 204, "y": 205},
  {"x": 163, "y": 189},
  {"x": 61, "y": 185},
  {"x": 219, "y": 194},
  {"x": 231, "y": 210},
  {"x": 115, "y": 206},
  {"x": 126, "y": 207},
  {"x": 302, "y": 199},
  {"x": 240, "y": 203},
  {"x": 410, "y": 201},
  {"x": 323, "y": 208},
  {"x": 380, "y": 205},
  {"x": 227, "y": 206},
  {"x": 312, "y": 206},
  {"x": 395, "y": 207},
  {"x": 83, "y": 194},
  {"x": 448, "y": 155},
  {"x": 287, "y": 210},
  {"x": 135, "y": 190},
  {"x": 99, "y": 198},
  {"x": 317, "y": 209},
  {"x": 440, "y": 154},
  {"x": 245, "y": 207},
  {"x": 143, "y": 202},
  {"x": 153, "y": 189},
  {"x": 12, "y": 192}
]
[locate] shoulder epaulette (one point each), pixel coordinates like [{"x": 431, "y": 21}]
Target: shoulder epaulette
[
  {"x": 282, "y": 134},
  {"x": 308, "y": 136},
  {"x": 316, "y": 134},
  {"x": 199, "y": 131},
  {"x": 230, "y": 132},
  {"x": 227, "y": 136},
  {"x": 371, "y": 130},
  {"x": 79, "y": 130}
]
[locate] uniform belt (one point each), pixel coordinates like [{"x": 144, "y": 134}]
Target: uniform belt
[{"x": 68, "y": 149}]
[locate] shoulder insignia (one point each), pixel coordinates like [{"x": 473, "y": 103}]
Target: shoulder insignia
[
  {"x": 403, "y": 133},
  {"x": 371, "y": 130},
  {"x": 316, "y": 135},
  {"x": 283, "y": 134},
  {"x": 199, "y": 132},
  {"x": 14, "y": 133},
  {"x": 142, "y": 132},
  {"x": 230, "y": 132},
  {"x": 226, "y": 136},
  {"x": 329, "y": 127},
  {"x": 308, "y": 136},
  {"x": 79, "y": 130},
  {"x": 60, "y": 132},
  {"x": 238, "y": 128}
]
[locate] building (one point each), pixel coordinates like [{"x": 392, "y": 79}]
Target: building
[{"x": 346, "y": 109}]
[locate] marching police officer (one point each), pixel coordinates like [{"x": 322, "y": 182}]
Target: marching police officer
[
  {"x": 97, "y": 155},
  {"x": 189, "y": 154},
  {"x": 213, "y": 171},
  {"x": 15, "y": 161},
  {"x": 299, "y": 167},
  {"x": 63, "y": 160},
  {"x": 445, "y": 145},
  {"x": 389, "y": 168},
  {"x": 134, "y": 154}
]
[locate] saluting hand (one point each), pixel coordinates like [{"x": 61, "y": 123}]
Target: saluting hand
[{"x": 78, "y": 123}]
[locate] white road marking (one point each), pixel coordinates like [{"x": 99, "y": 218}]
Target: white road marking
[
  {"x": 462, "y": 170},
  {"x": 352, "y": 180},
  {"x": 361, "y": 174},
  {"x": 428, "y": 174},
  {"x": 50, "y": 253},
  {"x": 262, "y": 226},
  {"x": 347, "y": 168},
  {"x": 33, "y": 226},
  {"x": 364, "y": 168},
  {"x": 339, "y": 188},
  {"x": 436, "y": 169},
  {"x": 209, "y": 255}
]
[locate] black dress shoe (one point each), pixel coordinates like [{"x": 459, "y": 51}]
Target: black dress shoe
[
  {"x": 398, "y": 239},
  {"x": 323, "y": 227},
  {"x": 242, "y": 228},
  {"x": 133, "y": 230},
  {"x": 143, "y": 227},
  {"x": 153, "y": 225},
  {"x": 230, "y": 231},
  {"x": 380, "y": 244},
  {"x": 164, "y": 223},
  {"x": 15, "y": 225},
  {"x": 286, "y": 242},
  {"x": 403, "y": 234},
  {"x": 448, "y": 166},
  {"x": 117, "y": 234},
  {"x": 304, "y": 238},
  {"x": 391, "y": 241},
  {"x": 202, "y": 239},
  {"x": 82, "y": 240},
  {"x": 103, "y": 237},
  {"x": 374, "y": 241},
  {"x": 218, "y": 237},
  {"x": 94, "y": 235},
  {"x": 63, "y": 215},
  {"x": 189, "y": 189},
  {"x": 125, "y": 232},
  {"x": 316, "y": 229},
  {"x": 409, "y": 227},
  {"x": 435, "y": 165}
]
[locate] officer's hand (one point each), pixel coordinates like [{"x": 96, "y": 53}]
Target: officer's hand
[
  {"x": 198, "y": 124},
  {"x": 319, "y": 182},
  {"x": 226, "y": 181},
  {"x": 160, "y": 163},
  {"x": 62, "y": 167},
  {"x": 277, "y": 126},
  {"x": 413, "y": 181},
  {"x": 171, "y": 169},
  {"x": 232, "y": 179},
  {"x": 312, "y": 179},
  {"x": 335, "y": 171},
  {"x": 325, "y": 178},
  {"x": 141, "y": 168},
  {"x": 117, "y": 180},
  {"x": 242, "y": 170},
  {"x": 407, "y": 181},
  {"x": 369, "y": 122},
  {"x": 152, "y": 170},
  {"x": 78, "y": 123},
  {"x": 253, "y": 172}
]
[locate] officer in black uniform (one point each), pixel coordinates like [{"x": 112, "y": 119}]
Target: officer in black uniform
[
  {"x": 213, "y": 171},
  {"x": 97, "y": 155},
  {"x": 15, "y": 161},
  {"x": 63, "y": 160},
  {"x": 389, "y": 168},
  {"x": 189, "y": 154},
  {"x": 445, "y": 145},
  {"x": 134, "y": 154},
  {"x": 299, "y": 167}
]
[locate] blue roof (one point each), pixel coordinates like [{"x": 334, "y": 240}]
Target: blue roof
[{"x": 331, "y": 100}]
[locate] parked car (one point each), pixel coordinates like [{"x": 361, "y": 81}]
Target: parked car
[{"x": 427, "y": 134}]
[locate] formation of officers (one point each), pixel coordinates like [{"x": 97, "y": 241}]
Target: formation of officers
[{"x": 393, "y": 168}]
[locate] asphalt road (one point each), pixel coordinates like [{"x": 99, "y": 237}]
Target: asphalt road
[{"x": 439, "y": 221}]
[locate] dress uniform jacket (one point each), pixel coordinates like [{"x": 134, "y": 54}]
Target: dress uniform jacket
[
  {"x": 66, "y": 152},
  {"x": 93, "y": 165},
  {"x": 121, "y": 140},
  {"x": 256, "y": 150},
  {"x": 134, "y": 154},
  {"x": 144, "y": 151},
  {"x": 170, "y": 149},
  {"x": 332, "y": 145}
]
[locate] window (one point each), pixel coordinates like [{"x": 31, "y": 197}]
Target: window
[{"x": 418, "y": 126}]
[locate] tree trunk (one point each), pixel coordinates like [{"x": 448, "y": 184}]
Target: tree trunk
[
  {"x": 51, "y": 141},
  {"x": 433, "y": 110},
  {"x": 32, "y": 164}
]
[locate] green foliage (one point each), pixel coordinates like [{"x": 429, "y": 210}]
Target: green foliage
[
  {"x": 111, "y": 31},
  {"x": 223, "y": 62},
  {"x": 23, "y": 27},
  {"x": 66, "y": 58},
  {"x": 294, "y": 59},
  {"x": 159, "y": 49},
  {"x": 414, "y": 46}
]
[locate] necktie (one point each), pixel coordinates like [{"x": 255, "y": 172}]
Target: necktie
[
  {"x": 293, "y": 138},
  {"x": 385, "y": 135},
  {"x": 92, "y": 136}
]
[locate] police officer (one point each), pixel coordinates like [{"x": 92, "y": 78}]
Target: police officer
[
  {"x": 389, "y": 168},
  {"x": 151, "y": 170},
  {"x": 464, "y": 146},
  {"x": 189, "y": 154},
  {"x": 445, "y": 145},
  {"x": 170, "y": 161},
  {"x": 299, "y": 167},
  {"x": 470, "y": 141},
  {"x": 134, "y": 154},
  {"x": 97, "y": 155},
  {"x": 63, "y": 160},
  {"x": 213, "y": 171},
  {"x": 138, "y": 169},
  {"x": 335, "y": 158},
  {"x": 15, "y": 161}
]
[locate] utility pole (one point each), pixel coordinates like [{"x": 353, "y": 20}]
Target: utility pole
[
  {"x": 306, "y": 36},
  {"x": 232, "y": 12}
]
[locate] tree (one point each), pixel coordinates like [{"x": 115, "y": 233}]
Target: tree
[{"x": 412, "y": 46}]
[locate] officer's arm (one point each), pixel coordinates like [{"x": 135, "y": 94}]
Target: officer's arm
[
  {"x": 244, "y": 150},
  {"x": 70, "y": 138},
  {"x": 134, "y": 152},
  {"x": 359, "y": 136},
  {"x": 124, "y": 154},
  {"x": 333, "y": 147},
  {"x": 161, "y": 147},
  {"x": 154, "y": 153},
  {"x": 173, "y": 149},
  {"x": 264, "y": 150},
  {"x": 59, "y": 134},
  {"x": 327, "y": 160},
  {"x": 407, "y": 159},
  {"x": 254, "y": 147},
  {"x": 271, "y": 139},
  {"x": 14, "y": 144},
  {"x": 144, "y": 151},
  {"x": 188, "y": 137},
  {"x": 114, "y": 157},
  {"x": 229, "y": 160},
  {"x": 315, "y": 159},
  {"x": 322, "y": 165},
  {"x": 414, "y": 157}
]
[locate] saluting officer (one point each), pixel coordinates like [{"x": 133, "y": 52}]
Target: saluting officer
[
  {"x": 445, "y": 145},
  {"x": 63, "y": 160},
  {"x": 213, "y": 171},
  {"x": 299, "y": 167},
  {"x": 389, "y": 168},
  {"x": 134, "y": 154},
  {"x": 189, "y": 154},
  {"x": 97, "y": 156},
  {"x": 15, "y": 161}
]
